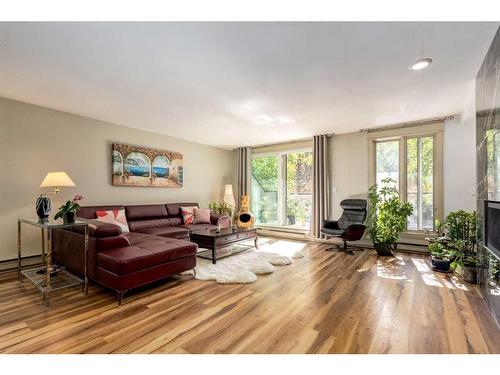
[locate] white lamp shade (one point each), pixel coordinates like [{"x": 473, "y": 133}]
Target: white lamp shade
[
  {"x": 57, "y": 179},
  {"x": 228, "y": 195}
]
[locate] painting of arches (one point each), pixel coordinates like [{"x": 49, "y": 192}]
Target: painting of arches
[
  {"x": 117, "y": 163},
  {"x": 161, "y": 166},
  {"x": 137, "y": 164},
  {"x": 142, "y": 166}
]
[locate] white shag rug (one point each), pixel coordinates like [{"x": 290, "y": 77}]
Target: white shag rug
[{"x": 244, "y": 267}]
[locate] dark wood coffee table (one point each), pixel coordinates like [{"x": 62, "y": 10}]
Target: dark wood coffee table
[{"x": 213, "y": 240}]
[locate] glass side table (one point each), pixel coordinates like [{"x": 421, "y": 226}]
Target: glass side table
[{"x": 48, "y": 278}]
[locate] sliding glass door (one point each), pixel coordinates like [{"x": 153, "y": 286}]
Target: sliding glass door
[
  {"x": 282, "y": 189},
  {"x": 265, "y": 189}
]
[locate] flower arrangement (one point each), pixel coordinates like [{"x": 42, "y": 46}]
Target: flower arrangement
[{"x": 68, "y": 210}]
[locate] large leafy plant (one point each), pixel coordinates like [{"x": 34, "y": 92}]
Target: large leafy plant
[{"x": 387, "y": 215}]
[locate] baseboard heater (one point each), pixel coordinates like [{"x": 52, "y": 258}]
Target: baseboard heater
[{"x": 280, "y": 231}]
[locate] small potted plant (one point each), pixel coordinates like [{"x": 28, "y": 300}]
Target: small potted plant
[
  {"x": 441, "y": 254},
  {"x": 68, "y": 210},
  {"x": 466, "y": 261},
  {"x": 387, "y": 216}
]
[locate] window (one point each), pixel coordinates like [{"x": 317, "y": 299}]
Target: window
[
  {"x": 282, "y": 188},
  {"x": 387, "y": 161},
  {"x": 420, "y": 182},
  {"x": 412, "y": 157}
]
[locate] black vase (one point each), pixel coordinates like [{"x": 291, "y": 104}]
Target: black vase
[
  {"x": 42, "y": 206},
  {"x": 69, "y": 217}
]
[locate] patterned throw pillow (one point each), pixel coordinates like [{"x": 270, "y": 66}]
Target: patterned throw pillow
[
  {"x": 201, "y": 216},
  {"x": 116, "y": 217},
  {"x": 188, "y": 215}
]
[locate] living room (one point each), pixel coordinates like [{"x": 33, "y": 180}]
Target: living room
[{"x": 249, "y": 187}]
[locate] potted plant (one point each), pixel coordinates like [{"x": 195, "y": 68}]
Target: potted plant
[
  {"x": 387, "y": 216},
  {"x": 461, "y": 230},
  {"x": 221, "y": 207},
  {"x": 441, "y": 254},
  {"x": 68, "y": 210}
]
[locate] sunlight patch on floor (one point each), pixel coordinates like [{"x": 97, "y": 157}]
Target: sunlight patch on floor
[
  {"x": 459, "y": 285},
  {"x": 426, "y": 273},
  {"x": 278, "y": 246},
  {"x": 495, "y": 289},
  {"x": 391, "y": 269},
  {"x": 432, "y": 279}
]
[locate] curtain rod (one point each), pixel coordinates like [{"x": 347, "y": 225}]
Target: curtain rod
[
  {"x": 409, "y": 124},
  {"x": 291, "y": 142}
]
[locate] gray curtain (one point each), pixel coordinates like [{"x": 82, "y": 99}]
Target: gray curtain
[
  {"x": 243, "y": 172},
  {"x": 321, "y": 184}
]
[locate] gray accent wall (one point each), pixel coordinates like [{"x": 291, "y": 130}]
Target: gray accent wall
[{"x": 488, "y": 168}]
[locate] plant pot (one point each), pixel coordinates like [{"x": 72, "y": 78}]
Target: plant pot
[
  {"x": 440, "y": 265},
  {"x": 470, "y": 273},
  {"x": 291, "y": 220},
  {"x": 69, "y": 217},
  {"x": 385, "y": 249}
]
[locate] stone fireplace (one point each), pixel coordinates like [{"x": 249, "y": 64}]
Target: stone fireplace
[{"x": 488, "y": 176}]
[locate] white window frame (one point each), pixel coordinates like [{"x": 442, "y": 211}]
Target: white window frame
[{"x": 401, "y": 134}]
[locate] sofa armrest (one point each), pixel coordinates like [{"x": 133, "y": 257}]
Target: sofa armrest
[
  {"x": 221, "y": 220},
  {"x": 99, "y": 229},
  {"x": 330, "y": 224}
]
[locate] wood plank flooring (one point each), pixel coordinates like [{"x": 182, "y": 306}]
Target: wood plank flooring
[{"x": 326, "y": 302}]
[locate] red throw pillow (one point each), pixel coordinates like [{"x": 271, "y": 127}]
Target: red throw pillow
[
  {"x": 188, "y": 215},
  {"x": 201, "y": 216},
  {"x": 116, "y": 217}
]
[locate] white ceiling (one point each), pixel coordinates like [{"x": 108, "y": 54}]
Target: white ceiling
[{"x": 238, "y": 84}]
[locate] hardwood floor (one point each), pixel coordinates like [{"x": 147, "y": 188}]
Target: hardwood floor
[{"x": 326, "y": 302}]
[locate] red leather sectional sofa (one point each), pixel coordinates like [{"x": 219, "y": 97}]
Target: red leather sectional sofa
[{"x": 157, "y": 246}]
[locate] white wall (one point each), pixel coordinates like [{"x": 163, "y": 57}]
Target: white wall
[
  {"x": 460, "y": 157},
  {"x": 348, "y": 169},
  {"x": 35, "y": 140}
]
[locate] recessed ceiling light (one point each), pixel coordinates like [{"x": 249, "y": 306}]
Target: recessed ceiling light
[{"x": 420, "y": 64}]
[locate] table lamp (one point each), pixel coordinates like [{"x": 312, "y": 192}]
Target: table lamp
[
  {"x": 55, "y": 180},
  {"x": 228, "y": 195},
  {"x": 229, "y": 199}
]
